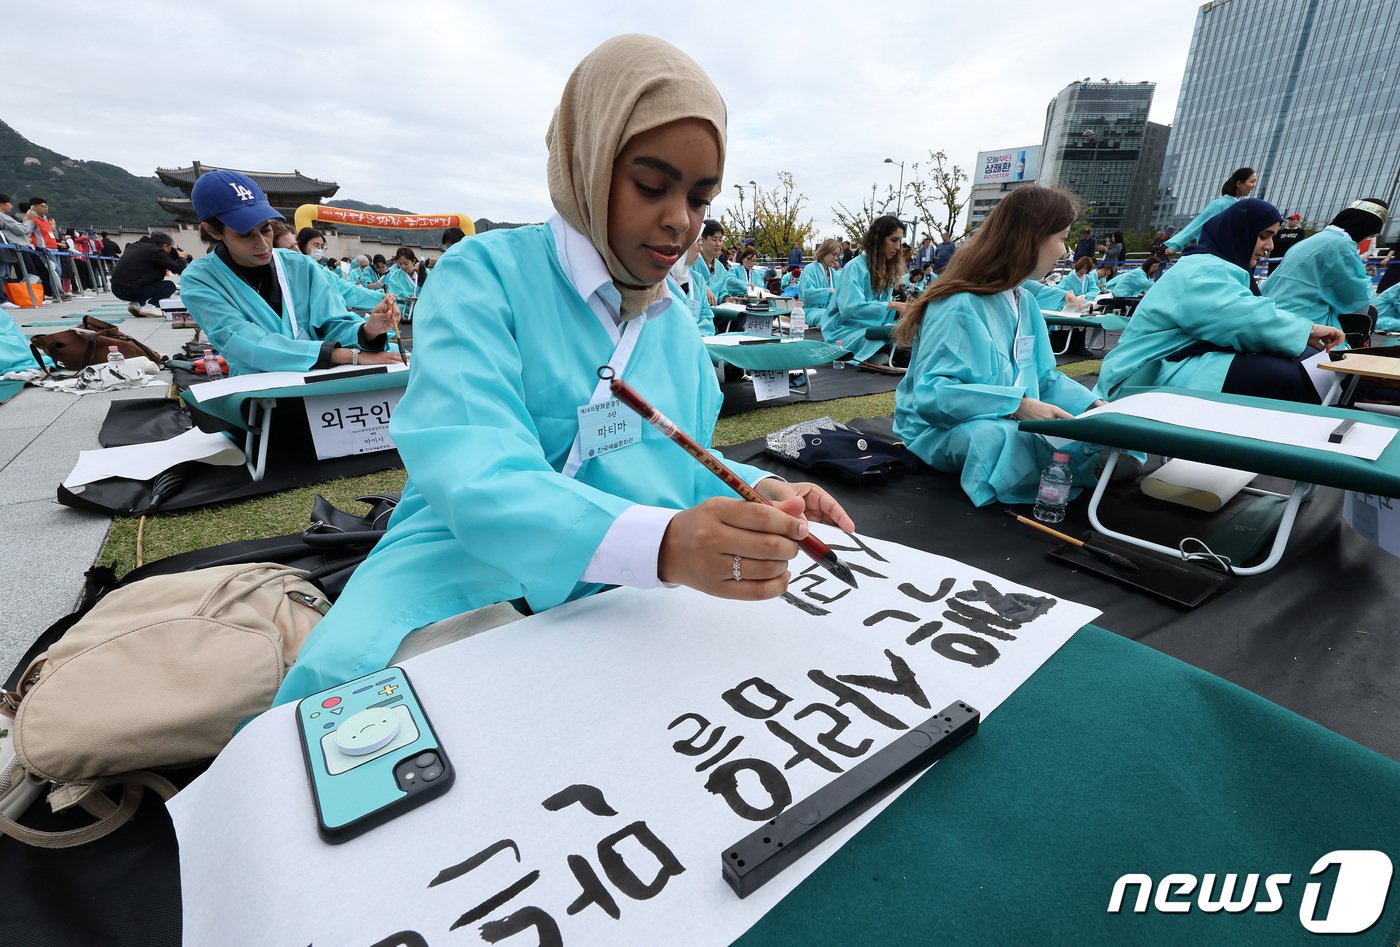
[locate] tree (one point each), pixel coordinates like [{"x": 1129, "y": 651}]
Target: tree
[
  {"x": 774, "y": 218},
  {"x": 938, "y": 193},
  {"x": 857, "y": 222}
]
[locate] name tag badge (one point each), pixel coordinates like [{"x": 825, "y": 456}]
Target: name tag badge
[
  {"x": 1025, "y": 349},
  {"x": 607, "y": 426}
]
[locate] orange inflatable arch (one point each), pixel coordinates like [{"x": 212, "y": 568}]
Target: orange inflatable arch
[{"x": 307, "y": 214}]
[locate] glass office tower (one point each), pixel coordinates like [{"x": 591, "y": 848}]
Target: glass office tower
[
  {"x": 1093, "y": 143},
  {"x": 1304, "y": 91}
]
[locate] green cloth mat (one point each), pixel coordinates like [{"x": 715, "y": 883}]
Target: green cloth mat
[
  {"x": 774, "y": 356},
  {"x": 1113, "y": 758},
  {"x": 1329, "y": 469},
  {"x": 8, "y": 389},
  {"x": 230, "y": 407}
]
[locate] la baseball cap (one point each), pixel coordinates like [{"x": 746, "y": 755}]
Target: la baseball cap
[
  {"x": 234, "y": 199},
  {"x": 1295, "y": 216}
]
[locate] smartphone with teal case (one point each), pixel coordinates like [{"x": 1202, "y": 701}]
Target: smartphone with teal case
[{"x": 370, "y": 753}]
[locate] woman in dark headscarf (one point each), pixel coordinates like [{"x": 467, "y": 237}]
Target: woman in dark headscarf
[{"x": 1205, "y": 325}]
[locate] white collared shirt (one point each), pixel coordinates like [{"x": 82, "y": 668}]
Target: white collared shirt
[{"x": 627, "y": 555}]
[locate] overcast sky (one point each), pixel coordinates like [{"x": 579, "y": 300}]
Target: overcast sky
[{"x": 440, "y": 106}]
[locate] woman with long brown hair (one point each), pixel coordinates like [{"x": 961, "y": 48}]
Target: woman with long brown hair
[
  {"x": 864, "y": 297},
  {"x": 981, "y": 357}
]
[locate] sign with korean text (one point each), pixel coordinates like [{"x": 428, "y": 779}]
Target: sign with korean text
[
  {"x": 1007, "y": 166},
  {"x": 770, "y": 385},
  {"x": 356, "y": 422}
]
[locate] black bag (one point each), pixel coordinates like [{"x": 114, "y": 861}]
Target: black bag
[{"x": 827, "y": 446}]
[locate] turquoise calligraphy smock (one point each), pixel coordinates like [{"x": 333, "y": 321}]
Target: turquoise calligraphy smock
[
  {"x": 697, "y": 302},
  {"x": 1086, "y": 286},
  {"x": 737, "y": 282},
  {"x": 714, "y": 276},
  {"x": 399, "y": 283},
  {"x": 1201, "y": 299},
  {"x": 485, "y": 427},
  {"x": 14, "y": 347},
  {"x": 1387, "y": 309},
  {"x": 855, "y": 307},
  {"x": 245, "y": 330},
  {"x": 1321, "y": 278},
  {"x": 953, "y": 407},
  {"x": 1130, "y": 283},
  {"x": 815, "y": 285}
]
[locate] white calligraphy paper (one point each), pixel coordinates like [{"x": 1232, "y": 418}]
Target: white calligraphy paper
[{"x": 607, "y": 752}]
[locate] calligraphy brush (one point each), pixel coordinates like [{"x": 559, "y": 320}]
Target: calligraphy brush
[
  {"x": 1107, "y": 555},
  {"x": 811, "y": 545}
]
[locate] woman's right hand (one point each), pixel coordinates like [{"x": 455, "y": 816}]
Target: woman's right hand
[
  {"x": 1033, "y": 410},
  {"x": 898, "y": 307},
  {"x": 699, "y": 546},
  {"x": 1326, "y": 337}
]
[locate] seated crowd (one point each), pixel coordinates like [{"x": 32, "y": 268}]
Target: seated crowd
[{"x": 513, "y": 326}]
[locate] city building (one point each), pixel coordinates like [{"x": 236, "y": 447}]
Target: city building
[
  {"x": 285, "y": 192},
  {"x": 996, "y": 174},
  {"x": 1303, "y": 92},
  {"x": 1142, "y": 199},
  {"x": 1095, "y": 137}
]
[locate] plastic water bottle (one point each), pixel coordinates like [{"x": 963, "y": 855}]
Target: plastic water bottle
[
  {"x": 1055, "y": 483},
  {"x": 797, "y": 321},
  {"x": 115, "y": 358},
  {"x": 212, "y": 369}
]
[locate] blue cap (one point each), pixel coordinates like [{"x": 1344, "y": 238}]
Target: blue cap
[{"x": 234, "y": 199}]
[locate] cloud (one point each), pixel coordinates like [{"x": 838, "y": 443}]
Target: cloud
[{"x": 436, "y": 105}]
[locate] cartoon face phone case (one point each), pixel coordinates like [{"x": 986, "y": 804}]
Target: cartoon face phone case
[{"x": 370, "y": 753}]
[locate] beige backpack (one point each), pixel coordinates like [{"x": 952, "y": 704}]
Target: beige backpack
[{"x": 160, "y": 673}]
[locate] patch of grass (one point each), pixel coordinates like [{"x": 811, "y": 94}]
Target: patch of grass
[
  {"x": 751, "y": 424},
  {"x": 1087, "y": 367},
  {"x": 167, "y": 534}
]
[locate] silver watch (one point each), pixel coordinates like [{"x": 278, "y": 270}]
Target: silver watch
[{"x": 354, "y": 356}]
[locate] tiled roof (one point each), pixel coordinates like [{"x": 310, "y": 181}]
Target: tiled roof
[{"x": 274, "y": 183}]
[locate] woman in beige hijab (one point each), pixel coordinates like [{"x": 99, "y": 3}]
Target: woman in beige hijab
[{"x": 527, "y": 483}]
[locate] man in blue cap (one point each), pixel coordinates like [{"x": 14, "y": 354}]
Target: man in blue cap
[{"x": 269, "y": 310}]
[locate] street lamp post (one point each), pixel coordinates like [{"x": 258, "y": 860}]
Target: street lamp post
[
  {"x": 740, "y": 188},
  {"x": 899, "y": 204},
  {"x": 753, "y": 214}
]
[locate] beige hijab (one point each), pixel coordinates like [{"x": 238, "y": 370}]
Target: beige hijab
[{"x": 628, "y": 85}]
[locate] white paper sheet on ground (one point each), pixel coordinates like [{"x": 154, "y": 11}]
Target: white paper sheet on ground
[
  {"x": 682, "y": 710},
  {"x": 1199, "y": 486},
  {"x": 1322, "y": 379},
  {"x": 145, "y": 461},
  {"x": 1366, "y": 441},
  {"x": 266, "y": 381}
]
